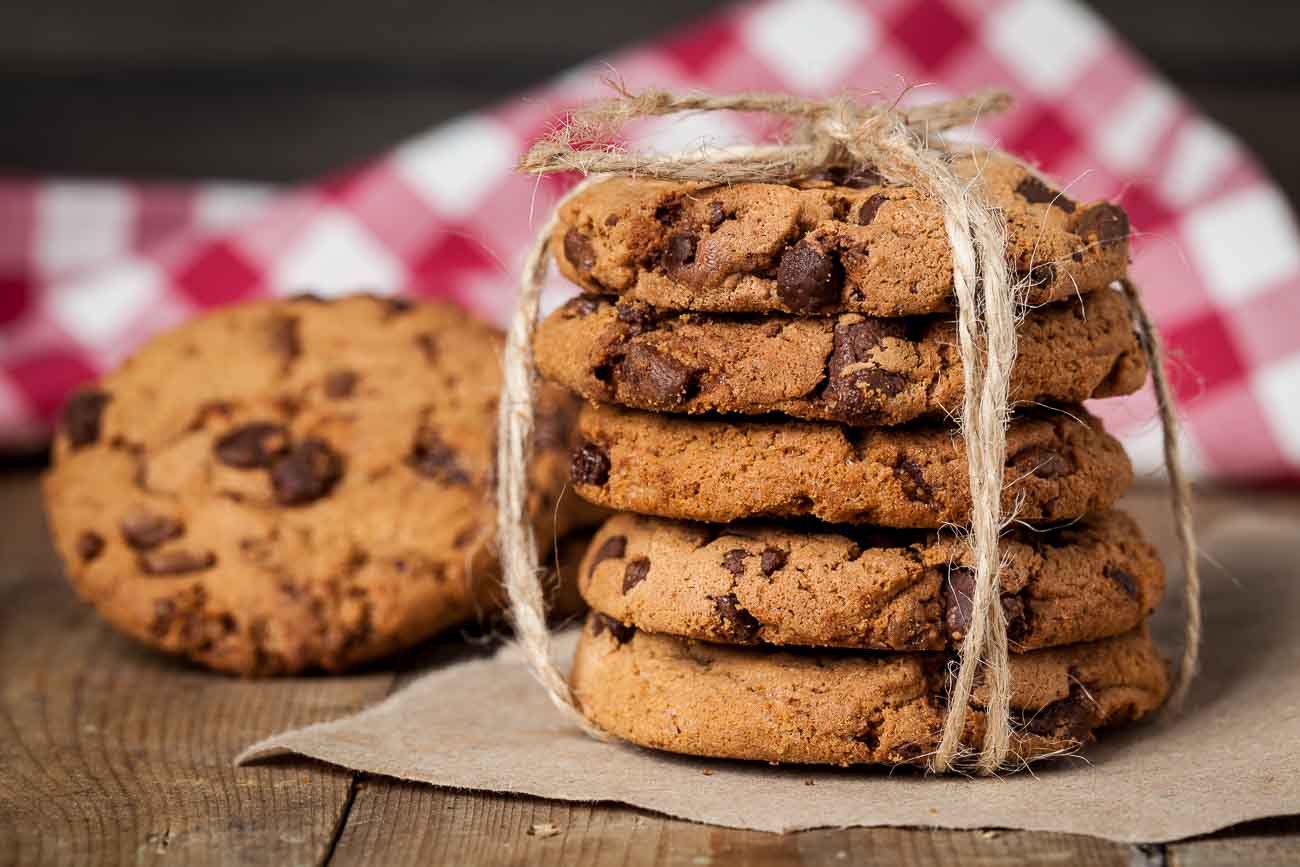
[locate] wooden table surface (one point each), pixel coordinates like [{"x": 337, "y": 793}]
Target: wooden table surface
[{"x": 110, "y": 754}]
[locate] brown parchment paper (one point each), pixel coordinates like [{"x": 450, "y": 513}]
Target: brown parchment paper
[{"x": 1231, "y": 756}]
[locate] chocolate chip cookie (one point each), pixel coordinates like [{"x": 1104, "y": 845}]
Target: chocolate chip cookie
[
  {"x": 907, "y": 590},
  {"x": 840, "y": 242},
  {"x": 845, "y": 708},
  {"x": 856, "y": 369},
  {"x": 298, "y": 484},
  {"x": 1060, "y": 465}
]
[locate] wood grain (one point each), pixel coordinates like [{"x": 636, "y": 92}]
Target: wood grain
[{"x": 113, "y": 755}]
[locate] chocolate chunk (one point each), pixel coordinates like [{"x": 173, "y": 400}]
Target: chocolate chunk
[
  {"x": 590, "y": 465},
  {"x": 164, "y": 613},
  {"x": 580, "y": 306},
  {"x": 680, "y": 253},
  {"x": 808, "y": 279},
  {"x": 654, "y": 380},
  {"x": 308, "y": 472},
  {"x": 620, "y": 632},
  {"x": 256, "y": 444},
  {"x": 867, "y": 213},
  {"x": 739, "y": 623},
  {"x": 428, "y": 345},
  {"x": 1126, "y": 582},
  {"x": 397, "y": 306},
  {"x": 613, "y": 549},
  {"x": 1042, "y": 462},
  {"x": 717, "y": 214},
  {"x": 431, "y": 456},
  {"x": 174, "y": 562},
  {"x": 773, "y": 561},
  {"x": 734, "y": 561},
  {"x": 851, "y": 373},
  {"x": 912, "y": 478},
  {"x": 143, "y": 530},
  {"x": 1070, "y": 718},
  {"x": 1104, "y": 223},
  {"x": 669, "y": 213},
  {"x": 1016, "y": 614},
  {"x": 578, "y": 250},
  {"x": 637, "y": 315},
  {"x": 81, "y": 416},
  {"x": 1034, "y": 191},
  {"x": 340, "y": 384},
  {"x": 89, "y": 545},
  {"x": 284, "y": 337},
  {"x": 635, "y": 572},
  {"x": 958, "y": 598}
]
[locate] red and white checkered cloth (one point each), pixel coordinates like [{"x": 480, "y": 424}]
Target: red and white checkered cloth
[{"x": 87, "y": 271}]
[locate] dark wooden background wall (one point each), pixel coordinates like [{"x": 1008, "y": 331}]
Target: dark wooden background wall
[{"x": 280, "y": 90}]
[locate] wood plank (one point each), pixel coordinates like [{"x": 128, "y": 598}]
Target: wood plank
[
  {"x": 112, "y": 754},
  {"x": 1265, "y": 843},
  {"x": 401, "y": 823}
]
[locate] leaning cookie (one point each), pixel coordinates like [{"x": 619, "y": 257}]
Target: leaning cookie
[
  {"x": 843, "y": 708},
  {"x": 1060, "y": 465},
  {"x": 299, "y": 484},
  {"x": 839, "y": 243},
  {"x": 854, "y": 369},
  {"x": 766, "y": 583}
]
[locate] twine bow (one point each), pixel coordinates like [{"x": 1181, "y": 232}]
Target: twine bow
[{"x": 903, "y": 146}]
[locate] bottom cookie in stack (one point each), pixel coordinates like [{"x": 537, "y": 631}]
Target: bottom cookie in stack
[{"x": 871, "y": 620}]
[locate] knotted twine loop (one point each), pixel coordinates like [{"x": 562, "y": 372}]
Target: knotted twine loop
[{"x": 901, "y": 146}]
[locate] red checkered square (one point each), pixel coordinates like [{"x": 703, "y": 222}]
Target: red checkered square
[
  {"x": 45, "y": 379},
  {"x": 1208, "y": 355},
  {"x": 931, "y": 32},
  {"x": 217, "y": 274}
]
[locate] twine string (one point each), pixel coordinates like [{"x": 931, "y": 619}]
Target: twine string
[{"x": 903, "y": 147}]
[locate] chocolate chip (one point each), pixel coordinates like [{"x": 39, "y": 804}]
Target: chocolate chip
[
  {"x": 308, "y": 472},
  {"x": 734, "y": 561},
  {"x": 1042, "y": 462},
  {"x": 620, "y": 632},
  {"x": 1039, "y": 275},
  {"x": 680, "y": 253},
  {"x": 611, "y": 220},
  {"x": 430, "y": 456},
  {"x": 773, "y": 561},
  {"x": 1126, "y": 582},
  {"x": 428, "y": 346},
  {"x": 739, "y": 623},
  {"x": 1016, "y": 614},
  {"x": 590, "y": 465},
  {"x": 867, "y": 213},
  {"x": 174, "y": 562},
  {"x": 851, "y": 373},
  {"x": 637, "y": 315},
  {"x": 1104, "y": 222},
  {"x": 612, "y": 549},
  {"x": 465, "y": 536},
  {"x": 912, "y": 478},
  {"x": 1070, "y": 718},
  {"x": 164, "y": 613},
  {"x": 284, "y": 337},
  {"x": 1034, "y": 191},
  {"x": 958, "y": 597},
  {"x": 81, "y": 416},
  {"x": 717, "y": 214},
  {"x": 807, "y": 278},
  {"x": 397, "y": 306},
  {"x": 256, "y": 444},
  {"x": 578, "y": 250},
  {"x": 340, "y": 384},
  {"x": 855, "y": 178},
  {"x": 669, "y": 213},
  {"x": 580, "y": 306},
  {"x": 654, "y": 380},
  {"x": 89, "y": 546},
  {"x": 635, "y": 572},
  {"x": 143, "y": 530}
]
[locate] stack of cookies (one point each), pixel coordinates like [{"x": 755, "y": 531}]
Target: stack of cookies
[{"x": 773, "y": 378}]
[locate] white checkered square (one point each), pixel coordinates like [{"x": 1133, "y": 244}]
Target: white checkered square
[
  {"x": 456, "y": 164},
  {"x": 811, "y": 43},
  {"x": 98, "y": 308},
  {"x": 1278, "y": 389},
  {"x": 79, "y": 224},
  {"x": 1243, "y": 243},
  {"x": 336, "y": 255},
  {"x": 1199, "y": 155},
  {"x": 1049, "y": 43},
  {"x": 1128, "y": 136}
]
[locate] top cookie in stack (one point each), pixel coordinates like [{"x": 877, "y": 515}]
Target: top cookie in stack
[{"x": 796, "y": 349}]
